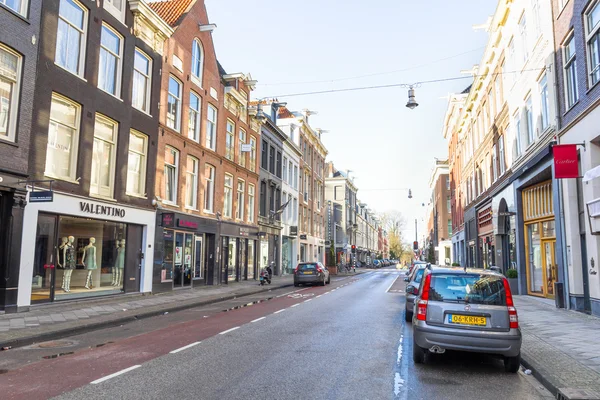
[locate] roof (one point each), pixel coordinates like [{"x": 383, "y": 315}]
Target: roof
[
  {"x": 171, "y": 11},
  {"x": 221, "y": 69}
]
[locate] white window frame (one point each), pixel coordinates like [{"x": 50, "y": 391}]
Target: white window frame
[
  {"x": 211, "y": 128},
  {"x": 529, "y": 121},
  {"x": 230, "y": 140},
  {"x": 284, "y": 173},
  {"x": 570, "y": 72},
  {"x": 544, "y": 102},
  {"x": 241, "y": 189},
  {"x": 195, "y": 133},
  {"x": 494, "y": 164},
  {"x": 74, "y": 139},
  {"x": 191, "y": 183},
  {"x": 242, "y": 136},
  {"x": 175, "y": 166},
  {"x": 82, "y": 41},
  {"x": 119, "y": 57},
  {"x": 144, "y": 158},
  {"x": 251, "y": 202},
  {"x": 535, "y": 11},
  {"x": 517, "y": 126},
  {"x": 592, "y": 40},
  {"x": 174, "y": 123},
  {"x": 252, "y": 154},
  {"x": 501, "y": 155},
  {"x": 228, "y": 196},
  {"x": 209, "y": 182},
  {"x": 22, "y": 10},
  {"x": 12, "y": 104},
  {"x": 110, "y": 190},
  {"x": 111, "y": 8},
  {"x": 197, "y": 78},
  {"x": 146, "y": 107},
  {"x": 523, "y": 35}
]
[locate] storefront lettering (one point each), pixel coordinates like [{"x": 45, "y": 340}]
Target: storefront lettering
[
  {"x": 187, "y": 224},
  {"x": 99, "y": 209}
]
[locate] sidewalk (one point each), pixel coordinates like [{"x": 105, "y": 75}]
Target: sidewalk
[
  {"x": 56, "y": 320},
  {"x": 560, "y": 347}
]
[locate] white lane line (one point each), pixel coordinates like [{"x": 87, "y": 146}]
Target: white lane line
[
  {"x": 229, "y": 330},
  {"x": 295, "y": 305},
  {"x": 306, "y": 301},
  {"x": 107, "y": 377},
  {"x": 277, "y": 312},
  {"x": 326, "y": 293},
  {"x": 184, "y": 347},
  {"x": 388, "y": 289},
  {"x": 258, "y": 319},
  {"x": 318, "y": 296},
  {"x": 285, "y": 294}
]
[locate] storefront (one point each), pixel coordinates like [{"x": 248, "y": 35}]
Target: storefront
[
  {"x": 84, "y": 248},
  {"x": 485, "y": 241},
  {"x": 540, "y": 239},
  {"x": 184, "y": 251},
  {"x": 289, "y": 249},
  {"x": 238, "y": 252},
  {"x": 504, "y": 221},
  {"x": 471, "y": 238},
  {"x": 269, "y": 248}
]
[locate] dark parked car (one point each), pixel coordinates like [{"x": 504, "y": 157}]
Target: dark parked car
[
  {"x": 311, "y": 273},
  {"x": 466, "y": 310},
  {"x": 413, "y": 282}
]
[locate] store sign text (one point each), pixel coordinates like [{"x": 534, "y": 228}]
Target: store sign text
[
  {"x": 101, "y": 210},
  {"x": 182, "y": 223}
]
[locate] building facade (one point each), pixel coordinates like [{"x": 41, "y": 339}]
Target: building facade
[{"x": 440, "y": 221}]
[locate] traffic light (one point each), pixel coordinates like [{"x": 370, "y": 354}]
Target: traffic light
[
  {"x": 353, "y": 249},
  {"x": 415, "y": 245}
]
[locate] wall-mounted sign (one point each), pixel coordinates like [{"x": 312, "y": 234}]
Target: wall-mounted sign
[
  {"x": 246, "y": 148},
  {"x": 99, "y": 209},
  {"x": 506, "y": 213},
  {"x": 244, "y": 231},
  {"x": 182, "y": 223},
  {"x": 42, "y": 196},
  {"x": 565, "y": 161},
  {"x": 328, "y": 243},
  {"x": 303, "y": 237},
  {"x": 293, "y": 231},
  {"x": 168, "y": 220}
]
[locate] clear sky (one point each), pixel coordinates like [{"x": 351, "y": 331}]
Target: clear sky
[{"x": 312, "y": 45}]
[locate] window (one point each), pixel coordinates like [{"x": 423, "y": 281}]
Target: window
[
  {"x": 103, "y": 157},
  {"x": 263, "y": 199},
  {"x": 211, "y": 127},
  {"x": 241, "y": 186},
  {"x": 142, "y": 78},
  {"x": 510, "y": 65},
  {"x": 291, "y": 175},
  {"x": 295, "y": 177},
  {"x": 278, "y": 166},
  {"x": 194, "y": 117},
  {"x": 230, "y": 141},
  {"x": 545, "y": 106},
  {"x": 197, "y": 62},
  {"x": 494, "y": 169},
  {"x": 209, "y": 188},
  {"x": 253, "y": 154},
  {"x": 529, "y": 116},
  {"x": 63, "y": 138},
  {"x": 570, "y": 72},
  {"x": 191, "y": 183},
  {"x": 228, "y": 196},
  {"x": 498, "y": 94},
  {"x": 448, "y": 207},
  {"x": 501, "y": 154},
  {"x": 111, "y": 56},
  {"x": 18, "y": 6},
  {"x": 71, "y": 36},
  {"x": 10, "y": 77},
  {"x": 250, "y": 203},
  {"x": 174, "y": 104},
  {"x": 290, "y": 216},
  {"x": 136, "y": 164},
  {"x": 285, "y": 174},
  {"x": 264, "y": 156},
  {"x": 449, "y": 227},
  {"x": 523, "y": 34},
  {"x": 295, "y": 212},
  {"x": 272, "y": 159},
  {"x": 171, "y": 174},
  {"x": 447, "y": 183},
  {"x": 535, "y": 10},
  {"x": 116, "y": 8},
  {"x": 592, "y": 37},
  {"x": 242, "y": 141}
]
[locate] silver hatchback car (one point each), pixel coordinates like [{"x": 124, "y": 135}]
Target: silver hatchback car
[
  {"x": 466, "y": 310},
  {"x": 311, "y": 272}
]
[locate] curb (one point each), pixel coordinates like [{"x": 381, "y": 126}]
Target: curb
[
  {"x": 534, "y": 372},
  {"x": 66, "y": 332}
]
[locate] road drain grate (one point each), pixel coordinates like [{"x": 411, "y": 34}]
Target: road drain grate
[
  {"x": 58, "y": 355},
  {"x": 576, "y": 394}
]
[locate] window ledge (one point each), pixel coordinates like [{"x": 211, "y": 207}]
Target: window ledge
[
  {"x": 191, "y": 208},
  {"x": 110, "y": 94},
  {"x": 70, "y": 72},
  {"x": 142, "y": 111},
  {"x": 100, "y": 197},
  {"x": 139, "y": 196},
  {"x": 570, "y": 108},
  {"x": 168, "y": 203},
  {"x": 592, "y": 87},
  {"x": 8, "y": 142},
  {"x": 16, "y": 13},
  {"x": 208, "y": 212},
  {"x": 70, "y": 180},
  {"x": 196, "y": 81}
]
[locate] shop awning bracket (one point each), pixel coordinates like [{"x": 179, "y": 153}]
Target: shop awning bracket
[{"x": 32, "y": 183}]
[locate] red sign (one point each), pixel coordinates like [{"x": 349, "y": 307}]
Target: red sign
[
  {"x": 187, "y": 224},
  {"x": 565, "y": 161}
]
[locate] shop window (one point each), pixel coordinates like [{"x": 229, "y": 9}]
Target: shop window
[
  {"x": 231, "y": 259},
  {"x": 63, "y": 138},
  {"x": 171, "y": 174},
  {"x": 103, "y": 157},
  {"x": 251, "y": 199},
  {"x": 250, "y": 258},
  {"x": 209, "y": 188},
  {"x": 10, "y": 77},
  {"x": 136, "y": 164}
]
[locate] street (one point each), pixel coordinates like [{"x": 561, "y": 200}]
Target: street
[{"x": 344, "y": 341}]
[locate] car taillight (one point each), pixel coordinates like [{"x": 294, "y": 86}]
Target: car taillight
[
  {"x": 422, "y": 303},
  {"x": 319, "y": 269},
  {"x": 512, "y": 311},
  {"x": 296, "y": 269}
]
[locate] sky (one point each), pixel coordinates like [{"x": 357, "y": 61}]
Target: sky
[{"x": 317, "y": 45}]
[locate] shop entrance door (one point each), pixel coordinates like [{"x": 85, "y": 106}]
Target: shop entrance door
[
  {"x": 184, "y": 245},
  {"x": 550, "y": 270},
  {"x": 199, "y": 272},
  {"x": 46, "y": 260}
]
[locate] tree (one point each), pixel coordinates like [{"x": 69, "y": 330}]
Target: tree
[{"x": 393, "y": 223}]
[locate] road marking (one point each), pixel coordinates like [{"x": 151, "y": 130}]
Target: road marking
[
  {"x": 326, "y": 293},
  {"x": 107, "y": 377},
  {"x": 258, "y": 319},
  {"x": 318, "y": 296},
  {"x": 277, "y": 312},
  {"x": 229, "y": 330},
  {"x": 306, "y": 301},
  {"x": 295, "y": 305},
  {"x": 184, "y": 348},
  {"x": 285, "y": 294},
  {"x": 388, "y": 289}
]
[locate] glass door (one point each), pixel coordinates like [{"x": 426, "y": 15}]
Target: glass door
[
  {"x": 178, "y": 264},
  {"x": 198, "y": 258},
  {"x": 187, "y": 259},
  {"x": 550, "y": 267},
  {"x": 535, "y": 261},
  {"x": 47, "y": 259}
]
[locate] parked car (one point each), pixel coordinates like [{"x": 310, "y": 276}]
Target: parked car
[
  {"x": 377, "y": 263},
  {"x": 415, "y": 263},
  {"x": 466, "y": 310},
  {"x": 413, "y": 282},
  {"x": 311, "y": 273}
]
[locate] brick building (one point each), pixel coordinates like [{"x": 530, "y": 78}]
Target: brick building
[{"x": 439, "y": 217}]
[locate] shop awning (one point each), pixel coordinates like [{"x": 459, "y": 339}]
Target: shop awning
[{"x": 592, "y": 174}]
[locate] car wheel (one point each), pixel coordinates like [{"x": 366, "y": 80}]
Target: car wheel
[
  {"x": 329, "y": 280},
  {"x": 408, "y": 316},
  {"x": 418, "y": 354},
  {"x": 512, "y": 364}
]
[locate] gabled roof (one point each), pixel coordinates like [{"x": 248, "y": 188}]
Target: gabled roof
[{"x": 171, "y": 11}]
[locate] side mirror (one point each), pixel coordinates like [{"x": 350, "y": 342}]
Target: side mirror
[{"x": 406, "y": 279}]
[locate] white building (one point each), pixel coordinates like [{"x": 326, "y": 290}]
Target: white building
[{"x": 289, "y": 234}]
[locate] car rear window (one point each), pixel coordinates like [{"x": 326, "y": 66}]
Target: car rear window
[
  {"x": 308, "y": 266},
  {"x": 418, "y": 275},
  {"x": 473, "y": 289}
]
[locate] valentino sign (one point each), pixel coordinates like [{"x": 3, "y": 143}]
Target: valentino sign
[
  {"x": 565, "y": 161},
  {"x": 101, "y": 210}
]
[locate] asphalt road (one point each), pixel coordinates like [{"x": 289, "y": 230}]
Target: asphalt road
[{"x": 344, "y": 341}]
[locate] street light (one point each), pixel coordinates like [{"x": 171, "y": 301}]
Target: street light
[{"x": 412, "y": 103}]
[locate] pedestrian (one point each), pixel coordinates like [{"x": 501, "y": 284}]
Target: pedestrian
[{"x": 270, "y": 271}]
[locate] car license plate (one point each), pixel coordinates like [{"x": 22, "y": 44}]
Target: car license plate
[
  {"x": 308, "y": 272},
  {"x": 467, "y": 320}
]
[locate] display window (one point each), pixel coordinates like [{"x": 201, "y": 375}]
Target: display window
[
  {"x": 78, "y": 257},
  {"x": 183, "y": 258},
  {"x": 231, "y": 262}
]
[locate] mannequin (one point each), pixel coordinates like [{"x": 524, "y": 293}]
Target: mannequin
[
  {"x": 69, "y": 256},
  {"x": 60, "y": 258},
  {"x": 120, "y": 264},
  {"x": 89, "y": 261}
]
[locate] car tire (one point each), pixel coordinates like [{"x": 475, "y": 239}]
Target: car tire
[
  {"x": 418, "y": 354},
  {"x": 329, "y": 280},
  {"x": 512, "y": 364},
  {"x": 408, "y": 316}
]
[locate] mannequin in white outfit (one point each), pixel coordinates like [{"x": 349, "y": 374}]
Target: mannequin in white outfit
[
  {"x": 89, "y": 261},
  {"x": 120, "y": 264}
]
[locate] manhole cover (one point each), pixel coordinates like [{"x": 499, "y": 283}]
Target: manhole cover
[{"x": 53, "y": 344}]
